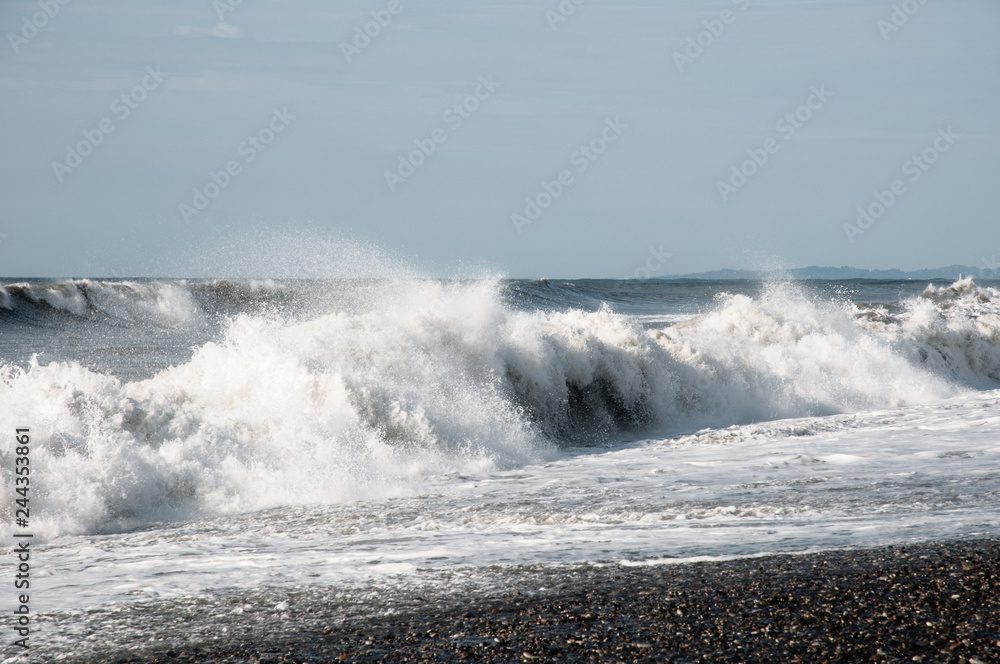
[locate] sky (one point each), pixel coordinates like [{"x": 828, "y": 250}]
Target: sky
[{"x": 528, "y": 139}]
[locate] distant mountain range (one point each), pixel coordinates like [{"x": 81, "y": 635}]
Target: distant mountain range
[{"x": 840, "y": 273}]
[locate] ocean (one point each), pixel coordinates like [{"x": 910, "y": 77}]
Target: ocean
[{"x": 206, "y": 439}]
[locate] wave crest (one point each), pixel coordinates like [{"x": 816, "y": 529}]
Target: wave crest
[{"x": 432, "y": 379}]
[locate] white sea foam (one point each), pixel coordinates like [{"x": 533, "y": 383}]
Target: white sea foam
[
  {"x": 423, "y": 379},
  {"x": 786, "y": 486}
]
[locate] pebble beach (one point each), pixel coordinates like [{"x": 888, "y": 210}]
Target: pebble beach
[{"x": 936, "y": 602}]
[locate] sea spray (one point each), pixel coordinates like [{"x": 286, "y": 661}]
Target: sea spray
[{"x": 390, "y": 383}]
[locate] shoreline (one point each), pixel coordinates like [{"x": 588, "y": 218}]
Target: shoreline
[{"x": 928, "y": 602}]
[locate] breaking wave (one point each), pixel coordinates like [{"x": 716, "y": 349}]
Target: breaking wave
[{"x": 421, "y": 379}]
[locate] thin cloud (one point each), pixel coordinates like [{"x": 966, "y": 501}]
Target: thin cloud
[{"x": 223, "y": 30}]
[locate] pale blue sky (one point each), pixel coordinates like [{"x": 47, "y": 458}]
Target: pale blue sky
[{"x": 340, "y": 126}]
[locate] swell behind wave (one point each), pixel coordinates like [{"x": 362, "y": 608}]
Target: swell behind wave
[
  {"x": 169, "y": 304},
  {"x": 431, "y": 379}
]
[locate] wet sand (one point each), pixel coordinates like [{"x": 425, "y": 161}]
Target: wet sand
[{"x": 929, "y": 602}]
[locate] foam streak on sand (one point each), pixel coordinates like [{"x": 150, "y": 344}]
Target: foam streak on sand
[{"x": 934, "y": 603}]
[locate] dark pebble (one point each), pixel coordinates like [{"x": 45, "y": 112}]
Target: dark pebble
[{"x": 924, "y": 603}]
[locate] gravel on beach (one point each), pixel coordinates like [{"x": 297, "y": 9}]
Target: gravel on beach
[{"x": 936, "y": 602}]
